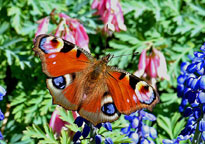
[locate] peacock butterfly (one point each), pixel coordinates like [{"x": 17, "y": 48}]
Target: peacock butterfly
[{"x": 77, "y": 81}]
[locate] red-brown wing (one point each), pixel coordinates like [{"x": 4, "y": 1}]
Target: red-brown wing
[
  {"x": 60, "y": 57},
  {"x": 97, "y": 106},
  {"x": 129, "y": 92},
  {"x": 64, "y": 63}
]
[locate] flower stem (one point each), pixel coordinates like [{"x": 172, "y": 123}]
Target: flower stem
[
  {"x": 92, "y": 133},
  {"x": 197, "y": 134}
]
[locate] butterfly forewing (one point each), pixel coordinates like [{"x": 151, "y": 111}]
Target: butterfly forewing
[
  {"x": 129, "y": 92},
  {"x": 60, "y": 57}
]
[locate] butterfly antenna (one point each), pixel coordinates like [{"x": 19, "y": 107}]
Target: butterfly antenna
[{"x": 135, "y": 53}]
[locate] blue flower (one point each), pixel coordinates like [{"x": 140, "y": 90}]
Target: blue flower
[
  {"x": 98, "y": 139},
  {"x": 89, "y": 128},
  {"x": 108, "y": 126},
  {"x": 137, "y": 130},
  {"x": 108, "y": 141},
  {"x": 77, "y": 136},
  {"x": 191, "y": 86},
  {"x": 2, "y": 93}
]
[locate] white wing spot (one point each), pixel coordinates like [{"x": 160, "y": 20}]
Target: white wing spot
[
  {"x": 52, "y": 56},
  {"x": 128, "y": 100},
  {"x": 135, "y": 98},
  {"x": 54, "y": 62}
]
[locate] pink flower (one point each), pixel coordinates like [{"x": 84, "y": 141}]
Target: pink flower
[
  {"x": 68, "y": 29},
  {"x": 78, "y": 31},
  {"x": 111, "y": 14},
  {"x": 152, "y": 65},
  {"x": 56, "y": 123},
  {"x": 63, "y": 32},
  {"x": 43, "y": 26}
]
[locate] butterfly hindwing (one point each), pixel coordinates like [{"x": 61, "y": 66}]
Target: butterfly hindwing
[
  {"x": 98, "y": 106},
  {"x": 60, "y": 57},
  {"x": 129, "y": 92}
]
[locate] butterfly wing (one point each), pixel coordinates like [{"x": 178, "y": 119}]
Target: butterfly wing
[
  {"x": 64, "y": 63},
  {"x": 98, "y": 104},
  {"x": 60, "y": 57},
  {"x": 129, "y": 92}
]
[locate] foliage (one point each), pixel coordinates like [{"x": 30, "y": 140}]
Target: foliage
[{"x": 176, "y": 28}]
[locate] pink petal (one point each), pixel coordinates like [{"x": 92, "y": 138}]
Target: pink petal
[
  {"x": 62, "y": 15},
  {"x": 142, "y": 60},
  {"x": 43, "y": 26},
  {"x": 151, "y": 69},
  {"x": 68, "y": 35},
  {"x": 56, "y": 123},
  {"x": 60, "y": 28},
  {"x": 80, "y": 35},
  {"x": 162, "y": 68},
  {"x": 95, "y": 4}
]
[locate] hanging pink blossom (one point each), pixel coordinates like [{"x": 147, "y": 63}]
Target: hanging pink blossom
[
  {"x": 78, "y": 31},
  {"x": 69, "y": 29},
  {"x": 152, "y": 65},
  {"x": 111, "y": 14},
  {"x": 56, "y": 123},
  {"x": 43, "y": 26}
]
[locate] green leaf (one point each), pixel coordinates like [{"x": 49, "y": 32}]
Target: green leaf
[
  {"x": 64, "y": 139},
  {"x": 15, "y": 12},
  {"x": 3, "y": 27},
  {"x": 165, "y": 123}
]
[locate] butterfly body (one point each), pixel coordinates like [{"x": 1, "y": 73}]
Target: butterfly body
[{"x": 77, "y": 81}]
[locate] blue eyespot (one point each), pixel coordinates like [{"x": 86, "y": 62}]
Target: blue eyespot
[
  {"x": 59, "y": 82},
  {"x": 109, "y": 109}
]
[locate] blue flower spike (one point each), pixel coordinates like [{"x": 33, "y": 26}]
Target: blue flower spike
[
  {"x": 2, "y": 94},
  {"x": 191, "y": 88},
  {"x": 86, "y": 131},
  {"x": 135, "y": 137},
  {"x": 79, "y": 121},
  {"x": 77, "y": 136},
  {"x": 137, "y": 130},
  {"x": 98, "y": 139},
  {"x": 108, "y": 126},
  {"x": 108, "y": 141}
]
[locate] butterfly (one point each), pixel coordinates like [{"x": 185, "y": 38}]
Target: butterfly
[{"x": 79, "y": 82}]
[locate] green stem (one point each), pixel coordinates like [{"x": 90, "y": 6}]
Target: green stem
[
  {"x": 93, "y": 132},
  {"x": 197, "y": 134}
]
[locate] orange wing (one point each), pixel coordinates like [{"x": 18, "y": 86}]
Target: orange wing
[
  {"x": 60, "y": 57},
  {"x": 63, "y": 62},
  {"x": 129, "y": 92}
]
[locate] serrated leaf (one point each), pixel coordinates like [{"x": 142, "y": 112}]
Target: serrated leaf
[
  {"x": 31, "y": 109},
  {"x": 15, "y": 12},
  {"x": 3, "y": 27},
  {"x": 73, "y": 127},
  {"x": 66, "y": 115},
  {"x": 128, "y": 38},
  {"x": 165, "y": 124},
  {"x": 64, "y": 139}
]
